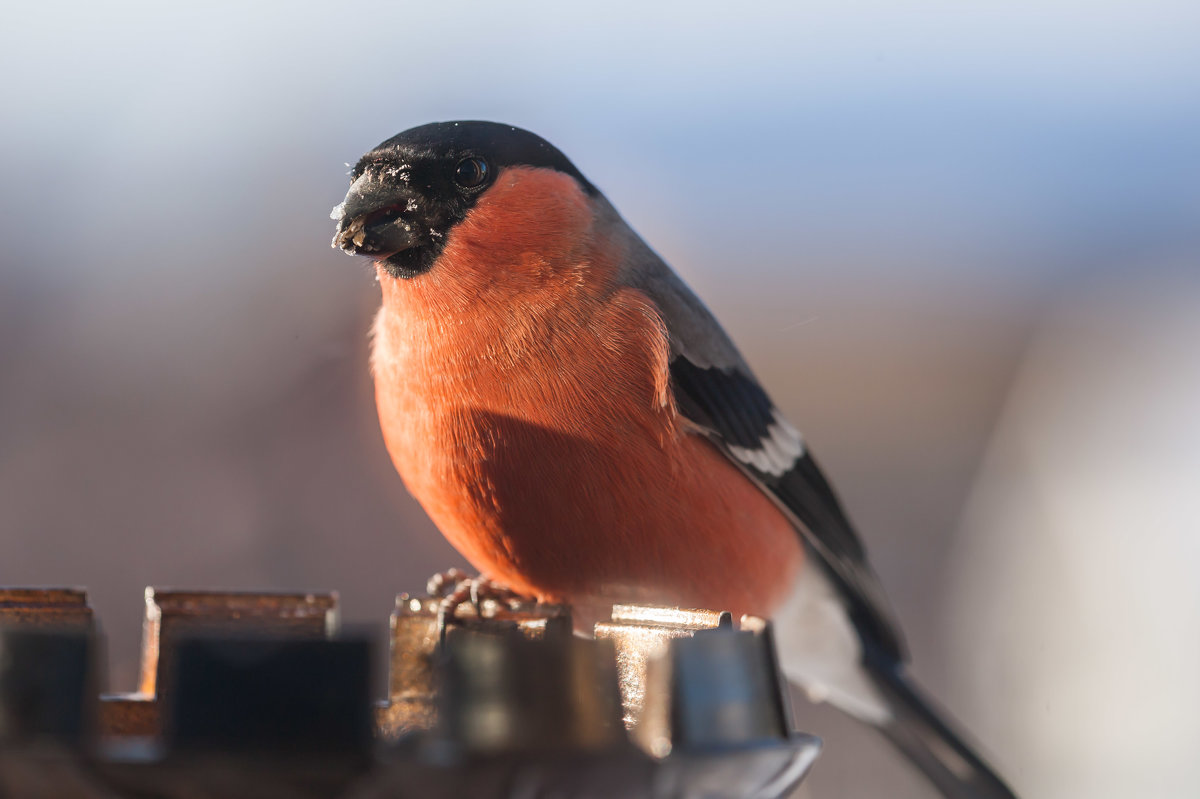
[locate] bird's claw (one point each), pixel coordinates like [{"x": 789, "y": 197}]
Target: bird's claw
[
  {"x": 442, "y": 583},
  {"x": 455, "y": 588}
]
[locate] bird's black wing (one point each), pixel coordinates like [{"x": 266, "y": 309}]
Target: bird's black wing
[{"x": 737, "y": 416}]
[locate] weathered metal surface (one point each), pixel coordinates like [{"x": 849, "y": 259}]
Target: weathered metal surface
[
  {"x": 47, "y": 685},
  {"x": 504, "y": 703},
  {"x": 640, "y": 635},
  {"x": 415, "y": 637},
  {"x": 45, "y": 607},
  {"x": 173, "y": 615},
  {"x": 724, "y": 690},
  {"x": 123, "y": 715},
  {"x": 507, "y": 694}
]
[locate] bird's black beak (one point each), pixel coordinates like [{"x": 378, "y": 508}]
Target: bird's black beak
[{"x": 379, "y": 218}]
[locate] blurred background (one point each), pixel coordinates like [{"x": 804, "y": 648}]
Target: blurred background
[{"x": 959, "y": 242}]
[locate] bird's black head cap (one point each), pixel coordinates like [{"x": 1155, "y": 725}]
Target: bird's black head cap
[{"x": 409, "y": 192}]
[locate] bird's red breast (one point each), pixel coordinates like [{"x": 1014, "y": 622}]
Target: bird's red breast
[{"x": 524, "y": 398}]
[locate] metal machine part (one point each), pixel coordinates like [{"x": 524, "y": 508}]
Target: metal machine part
[{"x": 257, "y": 695}]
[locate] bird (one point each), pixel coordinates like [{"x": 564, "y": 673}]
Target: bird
[{"x": 580, "y": 427}]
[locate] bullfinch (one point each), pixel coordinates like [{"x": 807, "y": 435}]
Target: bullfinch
[{"x": 579, "y": 426}]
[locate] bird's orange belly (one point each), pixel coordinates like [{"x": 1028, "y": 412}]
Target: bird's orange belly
[
  {"x": 557, "y": 464},
  {"x": 597, "y": 512}
]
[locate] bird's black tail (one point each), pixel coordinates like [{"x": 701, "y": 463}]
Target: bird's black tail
[{"x": 924, "y": 737}]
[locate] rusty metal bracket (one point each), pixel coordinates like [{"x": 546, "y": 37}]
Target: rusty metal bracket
[{"x": 172, "y": 615}]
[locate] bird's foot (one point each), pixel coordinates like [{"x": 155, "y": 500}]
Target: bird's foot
[{"x": 456, "y": 588}]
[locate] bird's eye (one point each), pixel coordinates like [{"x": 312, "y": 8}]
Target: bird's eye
[{"x": 471, "y": 173}]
